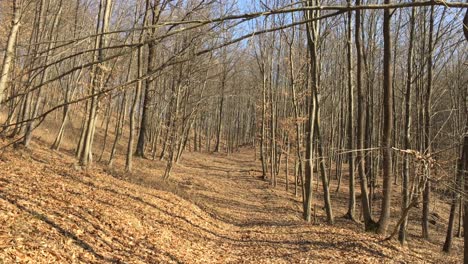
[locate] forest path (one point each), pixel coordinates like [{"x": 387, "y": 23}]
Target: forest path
[
  {"x": 231, "y": 187},
  {"x": 220, "y": 211},
  {"x": 266, "y": 223}
]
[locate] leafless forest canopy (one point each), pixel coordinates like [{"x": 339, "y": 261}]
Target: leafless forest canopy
[{"x": 369, "y": 96}]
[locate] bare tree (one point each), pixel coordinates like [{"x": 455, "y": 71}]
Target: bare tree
[
  {"x": 407, "y": 129},
  {"x": 387, "y": 123},
  {"x": 10, "y": 48}
]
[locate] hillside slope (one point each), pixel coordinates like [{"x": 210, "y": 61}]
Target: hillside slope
[{"x": 218, "y": 212}]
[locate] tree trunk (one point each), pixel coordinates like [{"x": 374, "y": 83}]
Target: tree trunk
[
  {"x": 220, "y": 118},
  {"x": 360, "y": 155},
  {"x": 150, "y": 66},
  {"x": 453, "y": 207},
  {"x": 323, "y": 170},
  {"x": 262, "y": 136},
  {"x": 407, "y": 131},
  {"x": 97, "y": 85},
  {"x": 387, "y": 124},
  {"x": 427, "y": 128},
  {"x": 10, "y": 47},
  {"x": 312, "y": 35},
  {"x": 350, "y": 128}
]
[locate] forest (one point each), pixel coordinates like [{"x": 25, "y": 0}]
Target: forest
[{"x": 233, "y": 131}]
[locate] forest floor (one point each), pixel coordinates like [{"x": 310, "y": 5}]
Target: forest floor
[{"x": 214, "y": 209}]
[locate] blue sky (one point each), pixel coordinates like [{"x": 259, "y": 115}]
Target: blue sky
[{"x": 243, "y": 5}]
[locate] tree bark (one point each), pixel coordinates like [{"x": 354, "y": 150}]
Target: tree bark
[
  {"x": 350, "y": 127},
  {"x": 427, "y": 128},
  {"x": 97, "y": 84},
  {"x": 10, "y": 47},
  {"x": 407, "y": 131},
  {"x": 150, "y": 67},
  {"x": 312, "y": 34},
  {"x": 360, "y": 155},
  {"x": 387, "y": 123}
]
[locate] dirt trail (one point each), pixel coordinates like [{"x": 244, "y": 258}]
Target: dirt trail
[
  {"x": 231, "y": 186},
  {"x": 266, "y": 224},
  {"x": 219, "y": 212}
]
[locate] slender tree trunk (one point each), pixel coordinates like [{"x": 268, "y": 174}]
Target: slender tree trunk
[
  {"x": 133, "y": 108},
  {"x": 132, "y": 128},
  {"x": 220, "y": 118},
  {"x": 286, "y": 173},
  {"x": 407, "y": 131},
  {"x": 10, "y": 46},
  {"x": 150, "y": 67},
  {"x": 387, "y": 123},
  {"x": 360, "y": 154},
  {"x": 460, "y": 214},
  {"x": 262, "y": 137},
  {"x": 350, "y": 128},
  {"x": 107, "y": 118},
  {"x": 427, "y": 128},
  {"x": 44, "y": 76},
  {"x": 118, "y": 130},
  {"x": 299, "y": 162},
  {"x": 312, "y": 35},
  {"x": 453, "y": 207},
  {"x": 465, "y": 165},
  {"x": 323, "y": 170},
  {"x": 97, "y": 85}
]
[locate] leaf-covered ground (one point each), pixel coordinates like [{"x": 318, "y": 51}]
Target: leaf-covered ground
[{"x": 215, "y": 209}]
